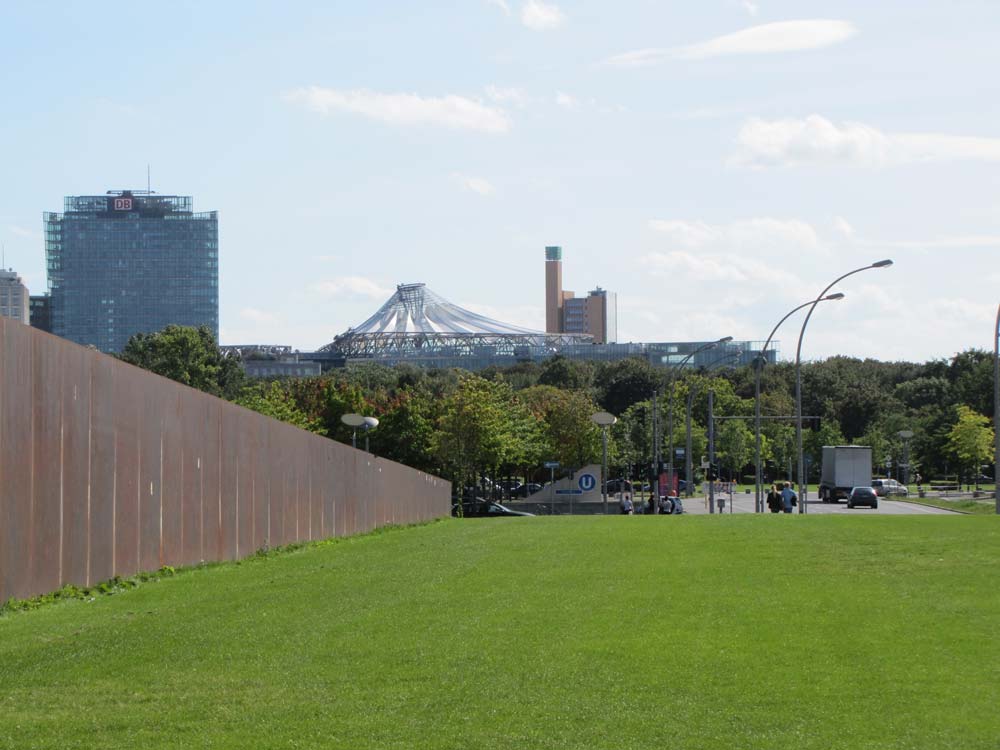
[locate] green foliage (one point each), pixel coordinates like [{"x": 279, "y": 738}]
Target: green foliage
[
  {"x": 571, "y": 438},
  {"x": 114, "y": 585},
  {"x": 188, "y": 355},
  {"x": 971, "y": 439},
  {"x": 274, "y": 400}
]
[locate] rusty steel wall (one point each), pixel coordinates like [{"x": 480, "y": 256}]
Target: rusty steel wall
[{"x": 107, "y": 470}]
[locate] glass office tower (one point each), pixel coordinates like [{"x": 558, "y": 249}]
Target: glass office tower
[{"x": 130, "y": 262}]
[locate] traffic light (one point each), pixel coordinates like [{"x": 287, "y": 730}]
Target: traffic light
[{"x": 713, "y": 472}]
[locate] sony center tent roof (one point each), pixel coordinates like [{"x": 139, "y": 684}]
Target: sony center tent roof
[{"x": 417, "y": 320}]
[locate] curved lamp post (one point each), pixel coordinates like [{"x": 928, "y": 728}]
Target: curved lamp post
[
  {"x": 798, "y": 374},
  {"x": 758, "y": 366},
  {"x": 604, "y": 420},
  {"x": 670, "y": 413}
]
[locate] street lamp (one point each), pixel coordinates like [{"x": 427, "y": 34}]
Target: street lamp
[
  {"x": 605, "y": 420},
  {"x": 758, "y": 366},
  {"x": 670, "y": 414},
  {"x": 355, "y": 421},
  {"x": 798, "y": 374}
]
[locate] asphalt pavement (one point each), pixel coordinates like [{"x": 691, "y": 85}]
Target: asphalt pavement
[{"x": 744, "y": 503}]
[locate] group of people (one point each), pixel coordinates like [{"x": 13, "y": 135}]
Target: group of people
[
  {"x": 782, "y": 500},
  {"x": 668, "y": 505}
]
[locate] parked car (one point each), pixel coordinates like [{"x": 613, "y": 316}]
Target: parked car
[
  {"x": 485, "y": 509},
  {"x": 888, "y": 487},
  {"x": 526, "y": 490},
  {"x": 862, "y": 496},
  {"x": 614, "y": 486}
]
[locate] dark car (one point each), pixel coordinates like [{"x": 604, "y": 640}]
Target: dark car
[
  {"x": 526, "y": 489},
  {"x": 485, "y": 509},
  {"x": 862, "y": 496},
  {"x": 614, "y": 486}
]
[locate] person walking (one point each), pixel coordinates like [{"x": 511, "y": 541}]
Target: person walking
[
  {"x": 788, "y": 498},
  {"x": 774, "y": 502}
]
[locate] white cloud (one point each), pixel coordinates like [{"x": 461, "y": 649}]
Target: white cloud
[
  {"x": 939, "y": 243},
  {"x": 750, "y": 7},
  {"x": 841, "y": 224},
  {"x": 512, "y": 95},
  {"x": 539, "y": 16},
  {"x": 760, "y": 237},
  {"x": 457, "y": 112},
  {"x": 31, "y": 234},
  {"x": 351, "y": 287},
  {"x": 769, "y": 38},
  {"x": 815, "y": 140},
  {"x": 566, "y": 101},
  {"x": 501, "y": 4},
  {"x": 474, "y": 184},
  {"x": 258, "y": 316}
]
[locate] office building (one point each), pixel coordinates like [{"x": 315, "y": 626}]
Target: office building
[
  {"x": 596, "y": 314},
  {"x": 130, "y": 262},
  {"x": 13, "y": 296},
  {"x": 40, "y": 312}
]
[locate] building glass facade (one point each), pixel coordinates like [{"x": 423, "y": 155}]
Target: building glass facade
[
  {"x": 13, "y": 296},
  {"x": 130, "y": 262}
]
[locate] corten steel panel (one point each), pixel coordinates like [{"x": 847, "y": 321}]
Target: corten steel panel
[
  {"x": 75, "y": 397},
  {"x": 102, "y": 468},
  {"x": 192, "y": 410},
  {"x": 15, "y": 461},
  {"x": 211, "y": 477},
  {"x": 130, "y": 444},
  {"x": 43, "y": 546},
  {"x": 248, "y": 451},
  {"x": 150, "y": 471},
  {"x": 172, "y": 539},
  {"x": 317, "y": 481},
  {"x": 329, "y": 476},
  {"x": 128, "y": 415},
  {"x": 229, "y": 457},
  {"x": 261, "y": 486},
  {"x": 276, "y": 489}
]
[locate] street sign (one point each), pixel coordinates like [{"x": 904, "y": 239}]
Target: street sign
[
  {"x": 551, "y": 464},
  {"x": 569, "y": 492},
  {"x": 587, "y": 482}
]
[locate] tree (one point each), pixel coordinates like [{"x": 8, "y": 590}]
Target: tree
[
  {"x": 473, "y": 431},
  {"x": 621, "y": 384},
  {"x": 734, "y": 445},
  {"x": 566, "y": 374},
  {"x": 187, "y": 355},
  {"x": 971, "y": 440},
  {"x": 570, "y": 437},
  {"x": 273, "y": 400}
]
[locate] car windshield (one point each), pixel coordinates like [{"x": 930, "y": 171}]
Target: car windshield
[{"x": 863, "y": 491}]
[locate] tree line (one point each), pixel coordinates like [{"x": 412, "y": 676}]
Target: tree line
[{"x": 507, "y": 421}]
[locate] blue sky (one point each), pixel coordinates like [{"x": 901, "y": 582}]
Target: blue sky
[{"x": 714, "y": 163}]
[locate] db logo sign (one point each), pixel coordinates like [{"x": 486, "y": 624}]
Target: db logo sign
[
  {"x": 587, "y": 482},
  {"x": 123, "y": 204}
]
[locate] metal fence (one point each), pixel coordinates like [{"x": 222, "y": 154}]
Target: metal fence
[{"x": 106, "y": 469}]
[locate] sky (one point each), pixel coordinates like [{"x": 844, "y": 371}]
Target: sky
[{"x": 714, "y": 163}]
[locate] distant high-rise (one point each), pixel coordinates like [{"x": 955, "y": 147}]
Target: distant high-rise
[
  {"x": 13, "y": 296},
  {"x": 130, "y": 262},
  {"x": 596, "y": 314}
]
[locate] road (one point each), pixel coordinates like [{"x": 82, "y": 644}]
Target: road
[{"x": 743, "y": 503}]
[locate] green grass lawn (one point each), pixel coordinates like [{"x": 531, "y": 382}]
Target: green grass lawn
[
  {"x": 981, "y": 507},
  {"x": 620, "y": 632}
]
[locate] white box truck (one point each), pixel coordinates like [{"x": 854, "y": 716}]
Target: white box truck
[{"x": 844, "y": 467}]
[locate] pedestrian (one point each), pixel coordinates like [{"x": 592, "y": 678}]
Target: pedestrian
[
  {"x": 788, "y": 498},
  {"x": 626, "y": 505},
  {"x": 774, "y": 502}
]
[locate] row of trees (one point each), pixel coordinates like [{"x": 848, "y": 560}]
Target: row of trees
[{"x": 508, "y": 421}]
